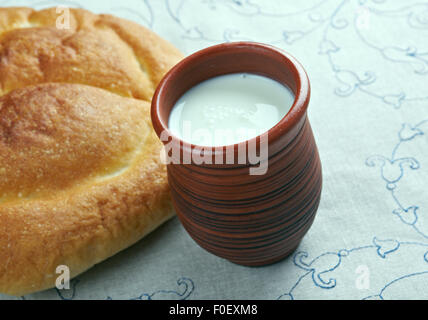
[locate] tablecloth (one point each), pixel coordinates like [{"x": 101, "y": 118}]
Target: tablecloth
[{"x": 368, "y": 64}]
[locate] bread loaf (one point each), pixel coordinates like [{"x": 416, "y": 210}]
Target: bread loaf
[{"x": 80, "y": 173}]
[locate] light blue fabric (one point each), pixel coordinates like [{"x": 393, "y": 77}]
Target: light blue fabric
[{"x": 368, "y": 64}]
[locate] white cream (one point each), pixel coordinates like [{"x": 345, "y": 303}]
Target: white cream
[{"x": 229, "y": 109}]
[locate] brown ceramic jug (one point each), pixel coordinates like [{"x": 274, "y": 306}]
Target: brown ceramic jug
[{"x": 249, "y": 219}]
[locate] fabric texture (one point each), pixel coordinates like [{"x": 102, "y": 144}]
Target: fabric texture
[{"x": 368, "y": 66}]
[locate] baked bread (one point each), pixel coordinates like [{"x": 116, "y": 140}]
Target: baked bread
[{"x": 80, "y": 172}]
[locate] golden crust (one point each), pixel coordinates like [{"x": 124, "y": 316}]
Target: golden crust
[
  {"x": 80, "y": 172},
  {"x": 98, "y": 50}
]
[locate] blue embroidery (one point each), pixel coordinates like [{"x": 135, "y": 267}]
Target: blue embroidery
[
  {"x": 392, "y": 170},
  {"x": 331, "y": 18},
  {"x": 322, "y": 267},
  {"x": 385, "y": 247},
  {"x": 184, "y": 291},
  {"x": 422, "y": 274}
]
